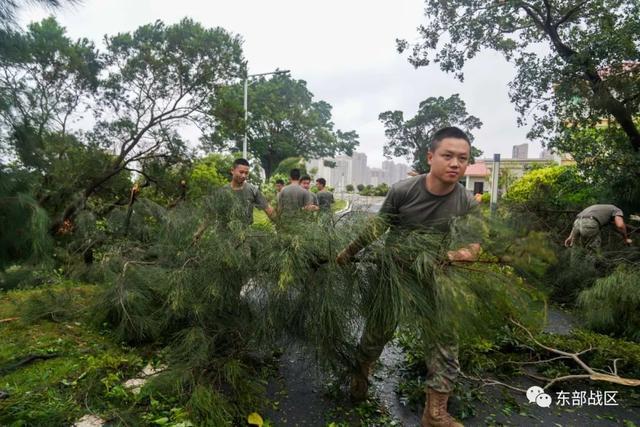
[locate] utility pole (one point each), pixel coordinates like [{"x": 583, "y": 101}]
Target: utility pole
[
  {"x": 246, "y": 102},
  {"x": 495, "y": 175}
]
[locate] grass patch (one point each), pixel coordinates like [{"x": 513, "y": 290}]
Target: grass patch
[
  {"x": 73, "y": 378},
  {"x": 262, "y": 221},
  {"x": 57, "y": 364},
  {"x": 339, "y": 205}
]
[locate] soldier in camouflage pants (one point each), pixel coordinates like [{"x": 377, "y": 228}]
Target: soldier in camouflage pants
[
  {"x": 586, "y": 228},
  {"x": 428, "y": 201},
  {"x": 440, "y": 349}
]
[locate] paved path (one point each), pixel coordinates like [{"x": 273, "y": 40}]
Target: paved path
[
  {"x": 300, "y": 389},
  {"x": 369, "y": 204},
  {"x": 301, "y": 393}
]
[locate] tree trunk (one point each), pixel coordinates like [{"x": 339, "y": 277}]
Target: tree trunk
[
  {"x": 606, "y": 101},
  {"x": 602, "y": 96},
  {"x": 132, "y": 199},
  {"x": 268, "y": 166},
  {"x": 72, "y": 209}
]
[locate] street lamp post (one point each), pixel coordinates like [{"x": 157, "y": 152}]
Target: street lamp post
[
  {"x": 495, "y": 176},
  {"x": 246, "y": 104}
]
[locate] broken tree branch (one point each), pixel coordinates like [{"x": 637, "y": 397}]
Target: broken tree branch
[{"x": 591, "y": 374}]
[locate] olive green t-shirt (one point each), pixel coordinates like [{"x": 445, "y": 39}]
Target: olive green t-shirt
[
  {"x": 409, "y": 205},
  {"x": 325, "y": 199},
  {"x": 602, "y": 213},
  {"x": 249, "y": 196},
  {"x": 293, "y": 198}
]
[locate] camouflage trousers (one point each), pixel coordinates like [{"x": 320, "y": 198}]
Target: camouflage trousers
[
  {"x": 441, "y": 354},
  {"x": 586, "y": 233}
]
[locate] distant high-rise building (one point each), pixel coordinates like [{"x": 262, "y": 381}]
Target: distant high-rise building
[
  {"x": 547, "y": 154},
  {"x": 521, "y": 151},
  {"x": 377, "y": 176},
  {"x": 394, "y": 172},
  {"x": 360, "y": 171},
  {"x": 354, "y": 170},
  {"x": 402, "y": 171},
  {"x": 388, "y": 172},
  {"x": 341, "y": 174}
]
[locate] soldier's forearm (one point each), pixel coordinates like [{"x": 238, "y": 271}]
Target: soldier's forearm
[
  {"x": 623, "y": 230},
  {"x": 467, "y": 253},
  {"x": 271, "y": 213}
]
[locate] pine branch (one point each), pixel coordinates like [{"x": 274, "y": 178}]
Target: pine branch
[
  {"x": 490, "y": 382},
  {"x": 26, "y": 360},
  {"x": 538, "y": 362},
  {"x": 591, "y": 372},
  {"x": 199, "y": 232}
]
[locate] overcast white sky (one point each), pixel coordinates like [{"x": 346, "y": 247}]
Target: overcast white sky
[{"x": 345, "y": 50}]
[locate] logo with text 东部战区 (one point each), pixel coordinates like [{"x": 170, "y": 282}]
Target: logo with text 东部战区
[{"x": 537, "y": 395}]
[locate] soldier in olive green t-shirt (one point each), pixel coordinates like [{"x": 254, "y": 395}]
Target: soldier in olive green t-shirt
[
  {"x": 422, "y": 202},
  {"x": 293, "y": 198},
  {"x": 305, "y": 182},
  {"x": 248, "y": 194},
  {"x": 325, "y": 198},
  {"x": 410, "y": 205},
  {"x": 586, "y": 227}
]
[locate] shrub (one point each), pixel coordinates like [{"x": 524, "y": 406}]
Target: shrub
[
  {"x": 209, "y": 172},
  {"x": 381, "y": 190},
  {"x": 548, "y": 199},
  {"x": 573, "y": 273},
  {"x": 612, "y": 305},
  {"x": 554, "y": 187}
]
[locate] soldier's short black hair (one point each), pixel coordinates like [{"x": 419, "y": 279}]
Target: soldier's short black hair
[
  {"x": 322, "y": 181},
  {"x": 240, "y": 161},
  {"x": 305, "y": 178},
  {"x": 295, "y": 174},
  {"x": 279, "y": 181},
  {"x": 448, "y": 132}
]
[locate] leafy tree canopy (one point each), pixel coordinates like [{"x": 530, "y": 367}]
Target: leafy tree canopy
[
  {"x": 158, "y": 79},
  {"x": 46, "y": 78},
  {"x": 554, "y": 187},
  {"x": 411, "y": 138},
  {"x": 284, "y": 121},
  {"x": 604, "y": 157},
  {"x": 140, "y": 92},
  {"x": 23, "y": 224},
  {"x": 588, "y": 71},
  {"x": 8, "y": 9}
]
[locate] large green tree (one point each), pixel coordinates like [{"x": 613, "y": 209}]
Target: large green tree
[
  {"x": 158, "y": 80},
  {"x": 141, "y": 93},
  {"x": 603, "y": 156},
  {"x": 23, "y": 223},
  {"x": 576, "y": 60},
  {"x": 284, "y": 121},
  {"x": 411, "y": 138},
  {"x": 46, "y": 79},
  {"x": 9, "y": 9}
]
